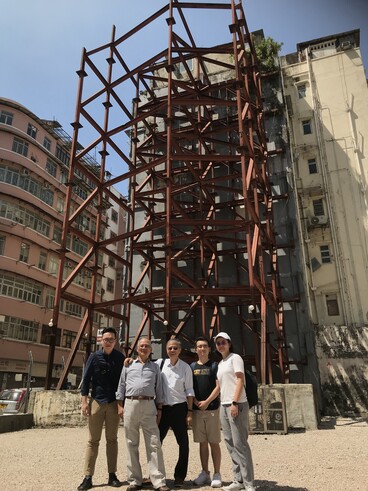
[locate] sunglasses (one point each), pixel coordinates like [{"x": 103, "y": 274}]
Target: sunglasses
[
  {"x": 221, "y": 343},
  {"x": 172, "y": 348}
]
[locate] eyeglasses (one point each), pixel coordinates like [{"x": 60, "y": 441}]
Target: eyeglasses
[
  {"x": 221, "y": 343},
  {"x": 108, "y": 340},
  {"x": 172, "y": 348}
]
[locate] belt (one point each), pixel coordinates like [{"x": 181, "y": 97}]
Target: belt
[{"x": 140, "y": 398}]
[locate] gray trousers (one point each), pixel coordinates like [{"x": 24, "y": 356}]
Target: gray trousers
[
  {"x": 235, "y": 431},
  {"x": 142, "y": 415}
]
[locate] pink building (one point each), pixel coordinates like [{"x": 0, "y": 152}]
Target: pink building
[{"x": 34, "y": 161}]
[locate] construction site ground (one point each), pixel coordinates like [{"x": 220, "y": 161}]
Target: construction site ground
[{"x": 333, "y": 458}]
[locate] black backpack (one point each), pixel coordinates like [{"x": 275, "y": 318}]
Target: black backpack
[{"x": 251, "y": 388}]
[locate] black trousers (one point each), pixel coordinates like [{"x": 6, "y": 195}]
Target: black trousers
[{"x": 175, "y": 417}]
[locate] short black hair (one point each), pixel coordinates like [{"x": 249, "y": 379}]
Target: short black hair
[
  {"x": 109, "y": 329},
  {"x": 201, "y": 338}
]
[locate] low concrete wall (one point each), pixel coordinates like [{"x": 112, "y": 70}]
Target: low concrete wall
[
  {"x": 15, "y": 422},
  {"x": 300, "y": 407},
  {"x": 58, "y": 408},
  {"x": 62, "y": 407}
]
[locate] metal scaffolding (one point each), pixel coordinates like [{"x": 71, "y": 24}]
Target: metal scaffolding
[{"x": 200, "y": 252}]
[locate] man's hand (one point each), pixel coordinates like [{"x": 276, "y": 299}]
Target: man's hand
[
  {"x": 128, "y": 361},
  {"x": 85, "y": 409},
  {"x": 203, "y": 405},
  {"x": 120, "y": 409}
]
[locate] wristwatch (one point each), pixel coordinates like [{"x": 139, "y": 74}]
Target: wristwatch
[{"x": 234, "y": 403}]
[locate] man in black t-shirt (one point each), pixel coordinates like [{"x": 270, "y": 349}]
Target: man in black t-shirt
[{"x": 206, "y": 420}]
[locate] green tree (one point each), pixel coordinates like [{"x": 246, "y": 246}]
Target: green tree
[{"x": 267, "y": 50}]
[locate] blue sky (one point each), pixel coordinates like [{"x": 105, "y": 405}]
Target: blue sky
[{"x": 41, "y": 41}]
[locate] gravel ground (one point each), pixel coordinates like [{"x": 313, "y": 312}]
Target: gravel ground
[{"x": 334, "y": 458}]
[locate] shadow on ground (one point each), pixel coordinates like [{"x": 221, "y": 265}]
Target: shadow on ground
[{"x": 273, "y": 486}]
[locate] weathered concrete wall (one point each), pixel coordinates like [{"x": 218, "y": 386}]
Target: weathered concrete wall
[
  {"x": 62, "y": 408},
  {"x": 343, "y": 360},
  {"x": 58, "y": 408},
  {"x": 300, "y": 404}
]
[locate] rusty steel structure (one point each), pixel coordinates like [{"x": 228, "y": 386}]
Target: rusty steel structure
[{"x": 200, "y": 251}]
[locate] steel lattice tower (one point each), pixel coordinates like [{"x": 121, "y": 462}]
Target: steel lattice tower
[{"x": 200, "y": 247}]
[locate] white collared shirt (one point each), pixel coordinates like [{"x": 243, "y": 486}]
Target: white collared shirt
[{"x": 177, "y": 382}]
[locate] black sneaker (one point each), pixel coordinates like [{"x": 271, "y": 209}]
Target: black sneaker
[
  {"x": 86, "y": 484},
  {"x": 179, "y": 483},
  {"x": 114, "y": 481}
]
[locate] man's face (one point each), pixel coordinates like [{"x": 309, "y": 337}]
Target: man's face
[
  {"x": 144, "y": 348},
  {"x": 173, "y": 349},
  {"x": 202, "y": 349},
  {"x": 108, "y": 342}
]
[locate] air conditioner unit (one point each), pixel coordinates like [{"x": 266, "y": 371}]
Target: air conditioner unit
[{"x": 315, "y": 221}]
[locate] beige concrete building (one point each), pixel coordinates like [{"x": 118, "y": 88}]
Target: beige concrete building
[
  {"x": 327, "y": 103},
  {"x": 34, "y": 161}
]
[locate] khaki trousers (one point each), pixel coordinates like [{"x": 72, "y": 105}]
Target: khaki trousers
[{"x": 101, "y": 414}]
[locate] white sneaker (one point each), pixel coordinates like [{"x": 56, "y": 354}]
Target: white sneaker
[
  {"x": 250, "y": 487},
  {"x": 202, "y": 479},
  {"x": 216, "y": 481},
  {"x": 234, "y": 486}
]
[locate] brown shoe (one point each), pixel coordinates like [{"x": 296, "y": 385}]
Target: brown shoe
[{"x": 163, "y": 488}]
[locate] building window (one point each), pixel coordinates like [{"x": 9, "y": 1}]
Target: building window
[
  {"x": 71, "y": 308},
  {"x": 63, "y": 177},
  {"x": 325, "y": 254},
  {"x": 47, "y": 143},
  {"x": 318, "y": 209},
  {"x": 32, "y": 130},
  {"x": 111, "y": 262},
  {"x": 60, "y": 204},
  {"x": 56, "y": 236},
  {"x": 24, "y": 252},
  {"x": 114, "y": 216},
  {"x": 22, "y": 329},
  {"x": 79, "y": 246},
  {"x": 51, "y": 167},
  {"x": 20, "y": 146},
  {"x": 21, "y": 215},
  {"x": 20, "y": 288},
  {"x": 110, "y": 285},
  {"x": 49, "y": 298},
  {"x": 27, "y": 183},
  {"x": 53, "y": 265},
  {"x": 302, "y": 91},
  {"x": 307, "y": 127},
  {"x": 42, "y": 260},
  {"x": 68, "y": 338},
  {"x": 62, "y": 155},
  {"x": 6, "y": 117},
  {"x": 2, "y": 244},
  {"x": 332, "y": 305},
  {"x": 84, "y": 343},
  {"x": 312, "y": 166}
]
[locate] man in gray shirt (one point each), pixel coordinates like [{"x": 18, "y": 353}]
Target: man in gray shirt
[{"x": 139, "y": 397}]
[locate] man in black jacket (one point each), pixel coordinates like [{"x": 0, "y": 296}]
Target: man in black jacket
[{"x": 101, "y": 375}]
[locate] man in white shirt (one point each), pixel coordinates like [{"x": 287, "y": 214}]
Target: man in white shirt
[{"x": 178, "y": 393}]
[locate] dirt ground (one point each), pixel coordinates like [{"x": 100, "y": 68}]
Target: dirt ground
[{"x": 334, "y": 458}]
